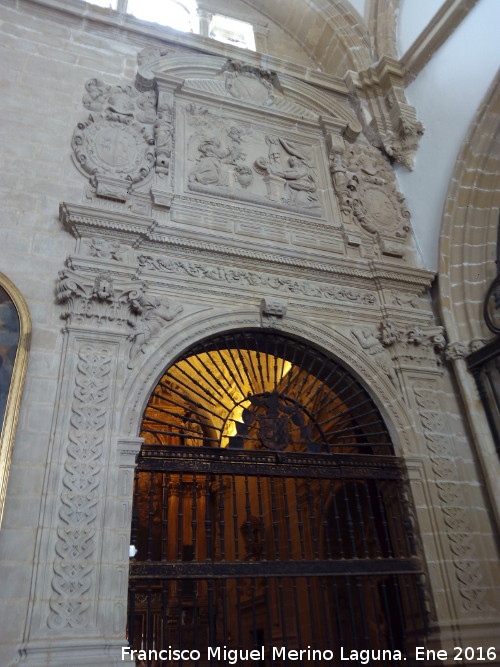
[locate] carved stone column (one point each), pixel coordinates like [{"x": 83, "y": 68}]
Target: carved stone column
[{"x": 81, "y": 573}]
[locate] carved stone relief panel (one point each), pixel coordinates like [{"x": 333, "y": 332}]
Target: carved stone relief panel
[{"x": 242, "y": 160}]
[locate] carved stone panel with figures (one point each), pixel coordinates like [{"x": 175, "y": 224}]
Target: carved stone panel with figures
[{"x": 249, "y": 162}]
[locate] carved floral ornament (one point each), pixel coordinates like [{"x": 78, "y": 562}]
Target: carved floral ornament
[{"x": 245, "y": 278}]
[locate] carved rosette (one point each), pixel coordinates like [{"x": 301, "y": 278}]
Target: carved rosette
[{"x": 70, "y": 604}]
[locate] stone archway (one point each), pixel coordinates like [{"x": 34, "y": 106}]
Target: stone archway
[
  {"x": 467, "y": 268},
  {"x": 266, "y": 475}
]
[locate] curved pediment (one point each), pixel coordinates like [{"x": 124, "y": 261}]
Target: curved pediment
[{"x": 252, "y": 87}]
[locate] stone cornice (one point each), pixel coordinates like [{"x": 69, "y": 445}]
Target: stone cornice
[
  {"x": 142, "y": 233},
  {"x": 129, "y": 227}
]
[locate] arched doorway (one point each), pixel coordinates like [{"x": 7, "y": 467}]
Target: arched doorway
[{"x": 269, "y": 511}]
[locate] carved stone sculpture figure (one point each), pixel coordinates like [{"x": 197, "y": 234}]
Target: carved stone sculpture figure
[
  {"x": 209, "y": 169},
  {"x": 298, "y": 179},
  {"x": 152, "y": 314},
  {"x": 299, "y": 184}
]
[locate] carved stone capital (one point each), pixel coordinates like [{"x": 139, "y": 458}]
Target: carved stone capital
[
  {"x": 455, "y": 351},
  {"x": 95, "y": 298}
]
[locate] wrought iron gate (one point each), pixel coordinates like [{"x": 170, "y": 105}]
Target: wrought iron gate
[{"x": 281, "y": 538}]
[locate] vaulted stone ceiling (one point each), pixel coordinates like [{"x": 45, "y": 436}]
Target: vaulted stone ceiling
[{"x": 331, "y": 31}]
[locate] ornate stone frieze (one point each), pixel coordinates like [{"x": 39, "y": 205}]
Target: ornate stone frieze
[
  {"x": 138, "y": 231},
  {"x": 115, "y": 145},
  {"x": 389, "y": 122},
  {"x": 73, "y": 572},
  {"x": 454, "y": 504},
  {"x": 243, "y": 277}
]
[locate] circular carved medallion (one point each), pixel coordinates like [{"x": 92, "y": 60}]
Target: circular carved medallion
[{"x": 109, "y": 147}]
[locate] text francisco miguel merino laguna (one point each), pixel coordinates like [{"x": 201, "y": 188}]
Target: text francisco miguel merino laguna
[{"x": 234, "y": 656}]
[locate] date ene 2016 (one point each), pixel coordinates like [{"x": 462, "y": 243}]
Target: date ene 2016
[{"x": 459, "y": 653}]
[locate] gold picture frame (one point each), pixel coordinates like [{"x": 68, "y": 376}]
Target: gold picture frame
[{"x": 9, "y": 418}]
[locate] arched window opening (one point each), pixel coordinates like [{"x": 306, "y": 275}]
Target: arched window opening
[
  {"x": 15, "y": 331},
  {"x": 178, "y": 14},
  {"x": 183, "y": 15},
  {"x": 270, "y": 511}
]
